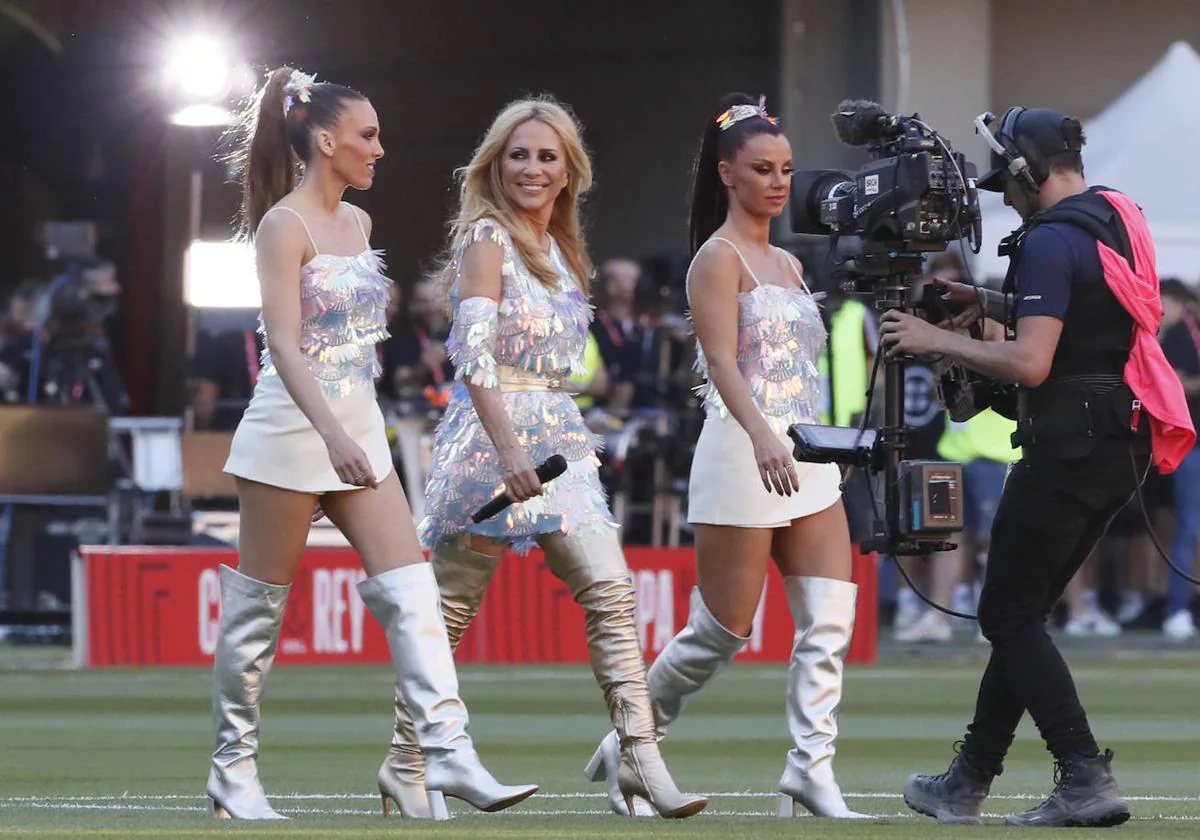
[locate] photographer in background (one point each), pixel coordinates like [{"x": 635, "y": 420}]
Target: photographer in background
[
  {"x": 77, "y": 364},
  {"x": 1096, "y": 395}
]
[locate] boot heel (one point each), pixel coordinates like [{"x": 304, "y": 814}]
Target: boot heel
[
  {"x": 437, "y": 805},
  {"x": 217, "y": 811},
  {"x": 787, "y": 806},
  {"x": 644, "y": 774},
  {"x": 387, "y": 803},
  {"x": 629, "y": 807}
]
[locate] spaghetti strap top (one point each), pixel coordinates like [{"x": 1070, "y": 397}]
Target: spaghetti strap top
[
  {"x": 311, "y": 241},
  {"x": 343, "y": 315},
  {"x": 780, "y": 341}
]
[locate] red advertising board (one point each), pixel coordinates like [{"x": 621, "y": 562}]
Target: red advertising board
[{"x": 150, "y": 606}]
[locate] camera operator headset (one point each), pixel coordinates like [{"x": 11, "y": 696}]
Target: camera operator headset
[{"x": 1081, "y": 305}]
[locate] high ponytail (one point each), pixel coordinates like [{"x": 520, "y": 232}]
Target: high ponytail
[
  {"x": 276, "y": 131},
  {"x": 268, "y": 167},
  {"x": 710, "y": 199}
]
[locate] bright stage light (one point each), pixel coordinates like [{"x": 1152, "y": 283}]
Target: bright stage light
[
  {"x": 199, "y": 68},
  {"x": 220, "y": 275}
]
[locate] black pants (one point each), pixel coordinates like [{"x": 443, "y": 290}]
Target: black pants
[{"x": 1051, "y": 516}]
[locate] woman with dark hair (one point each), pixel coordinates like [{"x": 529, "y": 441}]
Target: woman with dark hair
[
  {"x": 313, "y": 432},
  {"x": 517, "y": 278},
  {"x": 760, "y": 338}
]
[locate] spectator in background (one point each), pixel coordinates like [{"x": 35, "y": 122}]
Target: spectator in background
[
  {"x": 1180, "y": 336},
  {"x": 925, "y": 421},
  {"x": 592, "y": 383},
  {"x": 224, "y": 369},
  {"x": 414, "y": 356},
  {"x": 618, "y": 334},
  {"x": 16, "y": 334}
]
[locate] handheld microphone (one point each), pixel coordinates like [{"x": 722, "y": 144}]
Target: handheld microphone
[
  {"x": 551, "y": 468},
  {"x": 860, "y": 122}
]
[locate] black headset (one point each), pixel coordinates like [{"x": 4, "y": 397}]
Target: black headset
[
  {"x": 1028, "y": 167},
  {"x": 1019, "y": 164}
]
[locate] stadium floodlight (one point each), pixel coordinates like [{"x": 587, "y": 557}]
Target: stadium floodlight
[
  {"x": 200, "y": 79},
  {"x": 199, "y": 68}
]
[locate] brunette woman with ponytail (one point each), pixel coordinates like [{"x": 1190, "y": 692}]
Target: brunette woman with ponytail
[
  {"x": 313, "y": 434},
  {"x": 760, "y": 337}
]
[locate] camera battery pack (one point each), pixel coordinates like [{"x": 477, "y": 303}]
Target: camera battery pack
[{"x": 930, "y": 497}]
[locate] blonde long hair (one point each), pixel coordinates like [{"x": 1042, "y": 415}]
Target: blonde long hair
[{"x": 481, "y": 194}]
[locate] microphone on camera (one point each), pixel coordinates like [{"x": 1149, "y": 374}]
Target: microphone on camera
[
  {"x": 860, "y": 122},
  {"x": 551, "y": 468}
]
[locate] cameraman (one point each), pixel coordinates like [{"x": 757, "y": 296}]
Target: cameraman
[{"x": 1081, "y": 304}]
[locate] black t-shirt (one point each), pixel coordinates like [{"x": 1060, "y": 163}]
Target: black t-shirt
[
  {"x": 403, "y": 349},
  {"x": 1181, "y": 346},
  {"x": 228, "y": 358},
  {"x": 1059, "y": 275}
]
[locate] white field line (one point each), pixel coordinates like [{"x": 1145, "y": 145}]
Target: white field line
[
  {"x": 528, "y": 812},
  {"x": 592, "y": 794}
]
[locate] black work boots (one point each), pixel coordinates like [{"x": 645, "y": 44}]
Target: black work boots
[
  {"x": 1085, "y": 795},
  {"x": 953, "y": 798}
]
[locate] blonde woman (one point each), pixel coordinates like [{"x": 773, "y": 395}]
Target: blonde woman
[
  {"x": 313, "y": 434},
  {"x": 517, "y": 275}
]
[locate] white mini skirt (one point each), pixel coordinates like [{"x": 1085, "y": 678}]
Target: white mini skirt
[
  {"x": 725, "y": 487},
  {"x": 276, "y": 444}
]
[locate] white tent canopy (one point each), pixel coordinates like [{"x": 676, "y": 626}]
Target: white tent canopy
[{"x": 1142, "y": 144}]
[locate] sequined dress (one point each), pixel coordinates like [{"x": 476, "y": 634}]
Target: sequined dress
[
  {"x": 780, "y": 340},
  {"x": 531, "y": 333},
  {"x": 343, "y": 311}
]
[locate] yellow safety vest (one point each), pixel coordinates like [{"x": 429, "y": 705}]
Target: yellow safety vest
[
  {"x": 850, "y": 377},
  {"x": 591, "y": 363},
  {"x": 984, "y": 436}
]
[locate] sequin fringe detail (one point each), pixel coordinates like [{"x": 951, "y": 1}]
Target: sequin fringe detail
[
  {"x": 343, "y": 315},
  {"x": 573, "y": 502},
  {"x": 780, "y": 340},
  {"x": 472, "y": 339}
]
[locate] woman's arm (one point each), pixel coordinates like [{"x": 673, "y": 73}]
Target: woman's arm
[
  {"x": 713, "y": 298},
  {"x": 472, "y": 340},
  {"x": 280, "y": 245}
]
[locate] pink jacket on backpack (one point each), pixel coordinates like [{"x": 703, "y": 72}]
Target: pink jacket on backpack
[{"x": 1148, "y": 373}]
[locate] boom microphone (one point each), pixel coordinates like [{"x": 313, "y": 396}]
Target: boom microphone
[
  {"x": 860, "y": 122},
  {"x": 551, "y": 468}
]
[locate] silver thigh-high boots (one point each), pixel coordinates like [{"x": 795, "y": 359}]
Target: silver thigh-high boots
[
  {"x": 823, "y": 609},
  {"x": 251, "y": 615},
  {"x": 463, "y": 576},
  {"x": 406, "y": 602},
  {"x": 594, "y": 569}
]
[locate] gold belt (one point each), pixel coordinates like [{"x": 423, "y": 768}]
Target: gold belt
[{"x": 516, "y": 379}]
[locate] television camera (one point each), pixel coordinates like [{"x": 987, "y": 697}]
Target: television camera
[{"x": 916, "y": 195}]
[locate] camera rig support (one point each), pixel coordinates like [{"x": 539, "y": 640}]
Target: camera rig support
[{"x": 922, "y": 499}]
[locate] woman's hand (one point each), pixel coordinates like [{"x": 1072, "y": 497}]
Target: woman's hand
[
  {"x": 775, "y": 463},
  {"x": 520, "y": 478},
  {"x": 349, "y": 461}
]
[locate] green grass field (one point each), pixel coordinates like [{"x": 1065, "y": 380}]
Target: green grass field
[{"x": 124, "y": 753}]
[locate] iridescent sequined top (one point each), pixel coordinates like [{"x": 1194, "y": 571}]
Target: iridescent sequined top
[
  {"x": 541, "y": 333},
  {"x": 343, "y": 315},
  {"x": 780, "y": 341}
]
